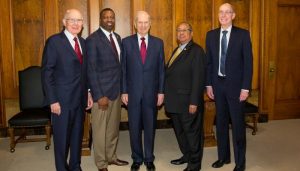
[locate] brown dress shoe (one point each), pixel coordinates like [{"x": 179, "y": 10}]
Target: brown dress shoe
[
  {"x": 103, "y": 169},
  {"x": 118, "y": 162}
]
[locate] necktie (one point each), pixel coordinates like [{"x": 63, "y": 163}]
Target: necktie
[
  {"x": 175, "y": 55},
  {"x": 143, "y": 50},
  {"x": 223, "y": 52},
  {"x": 77, "y": 50},
  {"x": 112, "y": 42}
]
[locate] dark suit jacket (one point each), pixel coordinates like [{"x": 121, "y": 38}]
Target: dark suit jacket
[
  {"x": 142, "y": 80},
  {"x": 238, "y": 60},
  {"x": 185, "y": 80},
  {"x": 63, "y": 77},
  {"x": 104, "y": 68}
]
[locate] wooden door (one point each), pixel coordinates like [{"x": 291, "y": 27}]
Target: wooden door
[{"x": 284, "y": 59}]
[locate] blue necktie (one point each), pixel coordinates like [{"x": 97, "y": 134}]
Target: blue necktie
[{"x": 223, "y": 52}]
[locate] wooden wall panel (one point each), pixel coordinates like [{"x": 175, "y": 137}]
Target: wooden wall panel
[
  {"x": 161, "y": 13},
  {"x": 242, "y": 10},
  {"x": 9, "y": 87},
  {"x": 28, "y": 32},
  {"x": 200, "y": 16}
]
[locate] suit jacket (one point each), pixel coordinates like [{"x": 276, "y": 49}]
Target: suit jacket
[
  {"x": 185, "y": 80},
  {"x": 63, "y": 77},
  {"x": 142, "y": 80},
  {"x": 238, "y": 60},
  {"x": 104, "y": 67}
]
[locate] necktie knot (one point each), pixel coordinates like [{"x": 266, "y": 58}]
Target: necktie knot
[
  {"x": 224, "y": 32},
  {"x": 143, "y": 38}
]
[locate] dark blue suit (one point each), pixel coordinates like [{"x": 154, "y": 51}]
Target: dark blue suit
[
  {"x": 142, "y": 83},
  {"x": 64, "y": 81},
  {"x": 227, "y": 90}
]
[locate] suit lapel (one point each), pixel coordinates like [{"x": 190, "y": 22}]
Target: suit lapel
[
  {"x": 149, "y": 47},
  {"x": 181, "y": 55},
  {"x": 231, "y": 41},
  {"x": 136, "y": 48},
  {"x": 68, "y": 45},
  {"x": 82, "y": 44},
  {"x": 106, "y": 41}
]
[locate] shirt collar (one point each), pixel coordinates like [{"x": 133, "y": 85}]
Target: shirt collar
[
  {"x": 69, "y": 35},
  {"x": 139, "y": 36},
  {"x": 106, "y": 32},
  {"x": 228, "y": 29}
]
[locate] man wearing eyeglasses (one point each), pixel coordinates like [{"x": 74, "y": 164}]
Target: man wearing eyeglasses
[
  {"x": 104, "y": 74},
  {"x": 184, "y": 88},
  {"x": 64, "y": 79},
  {"x": 229, "y": 76}
]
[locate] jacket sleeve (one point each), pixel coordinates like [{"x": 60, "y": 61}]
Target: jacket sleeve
[
  {"x": 248, "y": 61},
  {"x": 198, "y": 76},
  {"x": 95, "y": 87},
  {"x": 48, "y": 68},
  {"x": 161, "y": 73}
]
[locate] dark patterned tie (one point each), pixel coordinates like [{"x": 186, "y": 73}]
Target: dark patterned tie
[
  {"x": 223, "y": 52},
  {"x": 143, "y": 50},
  {"x": 112, "y": 42},
  {"x": 77, "y": 50}
]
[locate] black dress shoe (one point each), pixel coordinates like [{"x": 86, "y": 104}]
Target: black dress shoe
[
  {"x": 189, "y": 169},
  {"x": 220, "y": 163},
  {"x": 150, "y": 166},
  {"x": 239, "y": 168},
  {"x": 135, "y": 166},
  {"x": 178, "y": 161}
]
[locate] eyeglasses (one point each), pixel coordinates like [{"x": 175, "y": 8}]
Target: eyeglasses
[
  {"x": 225, "y": 12},
  {"x": 182, "y": 31},
  {"x": 73, "y": 20}
]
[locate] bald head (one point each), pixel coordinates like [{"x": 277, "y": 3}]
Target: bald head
[
  {"x": 142, "y": 22},
  {"x": 73, "y": 21},
  {"x": 226, "y": 15}
]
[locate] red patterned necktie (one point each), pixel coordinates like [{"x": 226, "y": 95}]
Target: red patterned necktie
[
  {"x": 112, "y": 42},
  {"x": 143, "y": 50},
  {"x": 77, "y": 50}
]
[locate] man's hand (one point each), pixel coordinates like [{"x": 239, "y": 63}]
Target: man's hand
[
  {"x": 210, "y": 92},
  {"x": 160, "y": 99},
  {"x": 103, "y": 103},
  {"x": 244, "y": 95},
  {"x": 192, "y": 109},
  {"x": 89, "y": 102},
  {"x": 124, "y": 98},
  {"x": 55, "y": 108}
]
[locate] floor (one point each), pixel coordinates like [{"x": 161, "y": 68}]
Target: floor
[{"x": 276, "y": 147}]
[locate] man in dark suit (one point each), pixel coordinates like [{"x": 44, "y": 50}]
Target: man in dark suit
[
  {"x": 104, "y": 74},
  {"x": 229, "y": 76},
  {"x": 184, "y": 87},
  {"x": 65, "y": 86},
  {"x": 142, "y": 88}
]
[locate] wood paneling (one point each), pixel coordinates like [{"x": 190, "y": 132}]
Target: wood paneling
[
  {"x": 200, "y": 16},
  {"x": 9, "y": 87},
  {"x": 25, "y": 25},
  {"x": 161, "y": 13},
  {"x": 281, "y": 52},
  {"x": 28, "y": 33}
]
